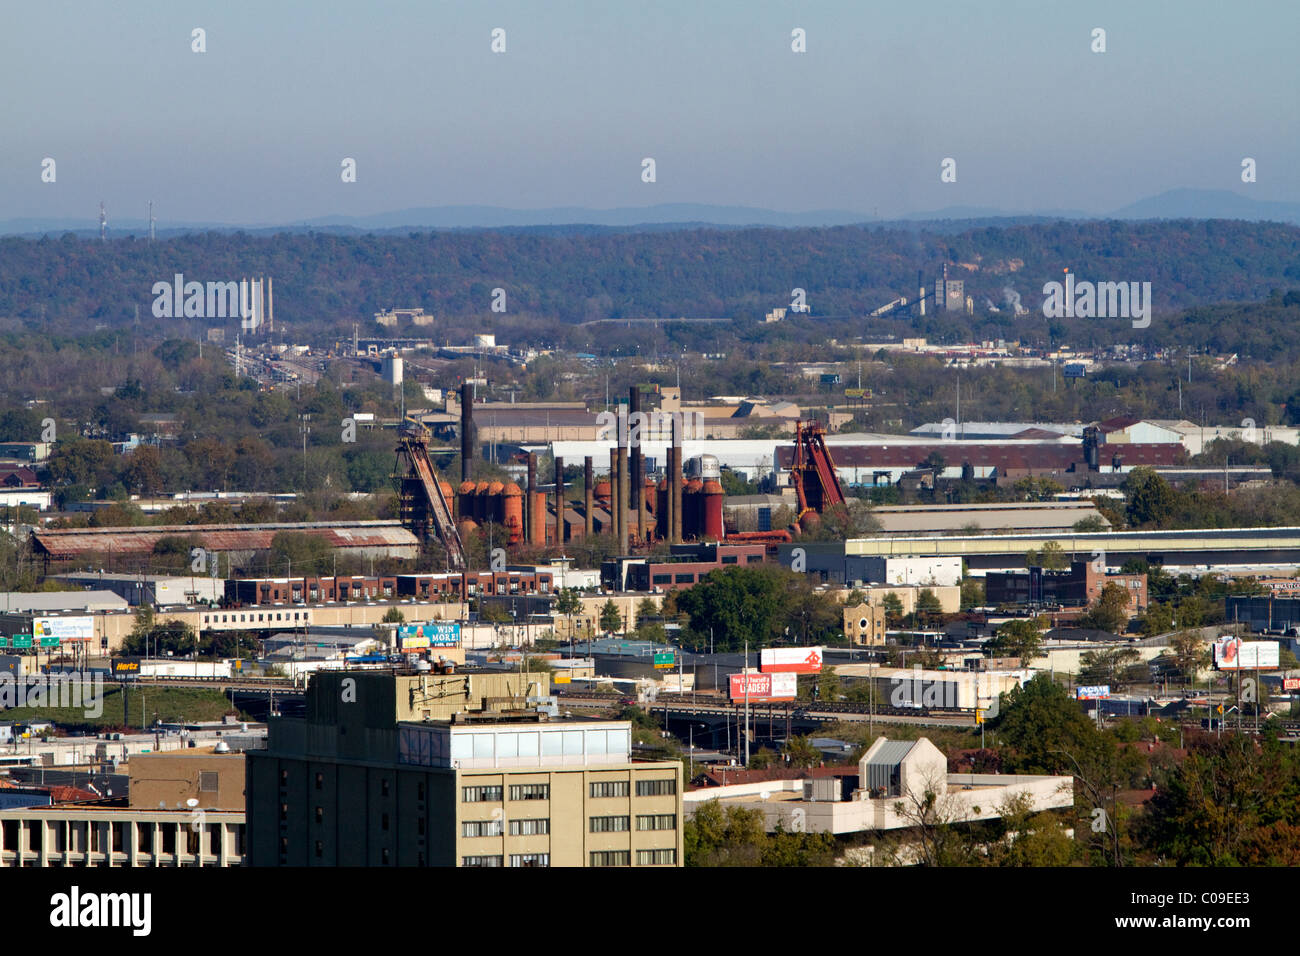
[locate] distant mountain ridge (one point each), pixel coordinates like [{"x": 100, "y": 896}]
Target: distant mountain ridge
[{"x": 1172, "y": 204}]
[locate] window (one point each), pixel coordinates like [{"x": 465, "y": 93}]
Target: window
[
  {"x": 530, "y": 859},
  {"x": 656, "y": 788},
  {"x": 320, "y": 781},
  {"x": 611, "y": 858},
  {"x": 481, "y": 794},
  {"x": 383, "y": 822},
  {"x": 529, "y": 791},
  {"x": 729, "y": 559},
  {"x": 480, "y": 861},
  {"x": 383, "y": 787},
  {"x": 609, "y": 788},
  {"x": 284, "y": 812},
  {"x": 609, "y": 824},
  {"x": 537, "y": 827},
  {"x": 320, "y": 815},
  {"x": 684, "y": 579},
  {"x": 480, "y": 828},
  {"x": 419, "y": 826},
  {"x": 419, "y": 791},
  {"x": 320, "y": 849},
  {"x": 657, "y": 821},
  {"x": 656, "y": 857},
  {"x": 383, "y": 856},
  {"x": 207, "y": 781},
  {"x": 663, "y": 579}
]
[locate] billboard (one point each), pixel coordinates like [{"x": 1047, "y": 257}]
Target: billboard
[
  {"x": 64, "y": 628},
  {"x": 1096, "y": 692},
  {"x": 791, "y": 660},
  {"x": 763, "y": 687},
  {"x": 436, "y": 634},
  {"x": 1234, "y": 654},
  {"x": 124, "y": 668}
]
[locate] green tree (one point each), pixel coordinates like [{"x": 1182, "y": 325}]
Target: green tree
[
  {"x": 739, "y": 604},
  {"x": 610, "y": 618},
  {"x": 568, "y": 603},
  {"x": 394, "y": 616},
  {"x": 893, "y": 609},
  {"x": 1150, "y": 499},
  {"x": 1019, "y": 637},
  {"x": 1108, "y": 665},
  {"x": 1050, "y": 557},
  {"x": 1110, "y": 611}
]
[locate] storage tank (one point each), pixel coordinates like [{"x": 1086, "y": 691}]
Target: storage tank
[
  {"x": 495, "y": 508},
  {"x": 513, "y": 500},
  {"x": 692, "y": 509},
  {"x": 465, "y": 500},
  {"x": 704, "y": 467},
  {"x": 480, "y": 502},
  {"x": 713, "y": 495}
]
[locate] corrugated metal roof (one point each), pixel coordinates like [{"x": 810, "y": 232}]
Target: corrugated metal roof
[
  {"x": 891, "y": 753},
  {"x": 71, "y": 542},
  {"x": 22, "y": 601}
]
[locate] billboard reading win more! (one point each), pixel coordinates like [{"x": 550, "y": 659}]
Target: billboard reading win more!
[{"x": 412, "y": 637}]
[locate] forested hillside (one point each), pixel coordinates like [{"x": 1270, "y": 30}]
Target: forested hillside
[{"x": 332, "y": 281}]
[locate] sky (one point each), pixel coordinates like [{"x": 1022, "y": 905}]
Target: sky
[{"x": 255, "y": 129}]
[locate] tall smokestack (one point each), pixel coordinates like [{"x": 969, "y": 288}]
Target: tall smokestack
[
  {"x": 559, "y": 499},
  {"x": 466, "y": 430},
  {"x": 920, "y": 285},
  {"x": 270, "y": 305},
  {"x": 623, "y": 497},
  {"x": 675, "y": 481},
  {"x": 589, "y": 497},
  {"x": 638, "y": 463},
  {"x": 531, "y": 511},
  {"x": 613, "y": 491}
]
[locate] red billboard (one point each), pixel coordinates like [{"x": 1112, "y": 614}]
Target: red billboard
[
  {"x": 759, "y": 688},
  {"x": 791, "y": 660}
]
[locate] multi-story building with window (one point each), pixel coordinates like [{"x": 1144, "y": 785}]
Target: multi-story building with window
[{"x": 367, "y": 779}]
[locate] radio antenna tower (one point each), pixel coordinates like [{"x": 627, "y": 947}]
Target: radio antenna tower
[
  {"x": 152, "y": 220},
  {"x": 103, "y": 223}
]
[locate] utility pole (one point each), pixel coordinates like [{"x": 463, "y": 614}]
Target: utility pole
[{"x": 746, "y": 680}]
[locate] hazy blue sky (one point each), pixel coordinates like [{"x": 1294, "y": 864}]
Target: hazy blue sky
[{"x": 254, "y": 129}]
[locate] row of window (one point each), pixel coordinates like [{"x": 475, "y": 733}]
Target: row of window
[
  {"x": 249, "y": 617},
  {"x": 518, "y": 791},
  {"x": 647, "y": 821},
  {"x": 624, "y": 858},
  {"x": 516, "y": 859},
  {"x": 491, "y": 828},
  {"x": 664, "y": 786}
]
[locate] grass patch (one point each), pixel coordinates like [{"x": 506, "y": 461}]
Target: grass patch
[{"x": 170, "y": 704}]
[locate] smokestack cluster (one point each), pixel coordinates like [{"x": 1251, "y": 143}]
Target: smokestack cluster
[
  {"x": 466, "y": 430},
  {"x": 623, "y": 497}
]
